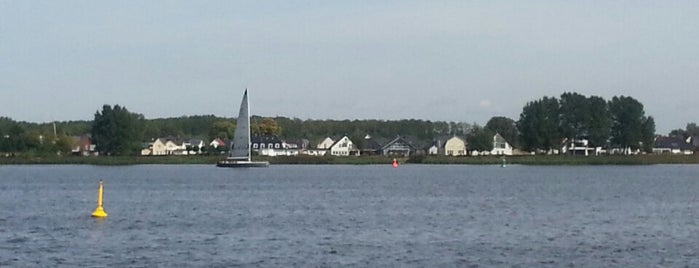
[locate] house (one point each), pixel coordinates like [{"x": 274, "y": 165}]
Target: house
[
  {"x": 673, "y": 145},
  {"x": 434, "y": 149},
  {"x": 501, "y": 146},
  {"x": 269, "y": 145},
  {"x": 455, "y": 146},
  {"x": 325, "y": 143},
  {"x": 194, "y": 146},
  {"x": 167, "y": 146},
  {"x": 147, "y": 149},
  {"x": 437, "y": 145},
  {"x": 448, "y": 145},
  {"x": 398, "y": 146},
  {"x": 218, "y": 145},
  {"x": 217, "y": 142},
  {"x": 175, "y": 147},
  {"x": 580, "y": 147},
  {"x": 82, "y": 145},
  {"x": 694, "y": 141},
  {"x": 343, "y": 147},
  {"x": 158, "y": 147},
  {"x": 300, "y": 144},
  {"x": 372, "y": 146}
]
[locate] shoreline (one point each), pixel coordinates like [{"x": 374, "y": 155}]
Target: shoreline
[{"x": 543, "y": 160}]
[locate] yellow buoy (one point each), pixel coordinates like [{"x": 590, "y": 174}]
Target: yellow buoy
[{"x": 99, "y": 211}]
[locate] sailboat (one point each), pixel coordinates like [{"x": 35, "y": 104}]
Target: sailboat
[{"x": 239, "y": 152}]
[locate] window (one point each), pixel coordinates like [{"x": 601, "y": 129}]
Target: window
[
  {"x": 270, "y": 146},
  {"x": 254, "y": 145},
  {"x": 276, "y": 146},
  {"x": 262, "y": 145}
]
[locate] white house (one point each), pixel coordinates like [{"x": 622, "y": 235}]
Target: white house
[
  {"x": 167, "y": 146},
  {"x": 195, "y": 146},
  {"x": 314, "y": 152},
  {"x": 325, "y": 144},
  {"x": 580, "y": 147},
  {"x": 343, "y": 147},
  {"x": 175, "y": 147},
  {"x": 158, "y": 147},
  {"x": 455, "y": 146},
  {"x": 434, "y": 149},
  {"x": 501, "y": 146},
  {"x": 217, "y": 142}
]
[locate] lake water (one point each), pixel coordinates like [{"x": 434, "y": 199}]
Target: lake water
[{"x": 351, "y": 216}]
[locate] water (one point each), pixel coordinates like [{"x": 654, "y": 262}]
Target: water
[{"x": 351, "y": 216}]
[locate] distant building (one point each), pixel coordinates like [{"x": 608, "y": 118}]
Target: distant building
[
  {"x": 344, "y": 147},
  {"x": 217, "y": 142},
  {"x": 501, "y": 146},
  {"x": 399, "y": 147},
  {"x": 673, "y": 145},
  {"x": 268, "y": 145},
  {"x": 82, "y": 145},
  {"x": 325, "y": 143}
]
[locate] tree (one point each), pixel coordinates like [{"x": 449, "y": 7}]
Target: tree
[
  {"x": 116, "y": 131},
  {"x": 15, "y": 138},
  {"x": 574, "y": 114},
  {"x": 222, "y": 129},
  {"x": 268, "y": 126},
  {"x": 648, "y": 134},
  {"x": 481, "y": 139},
  {"x": 538, "y": 125},
  {"x": 691, "y": 131},
  {"x": 599, "y": 125},
  {"x": 627, "y": 122},
  {"x": 506, "y": 127}
]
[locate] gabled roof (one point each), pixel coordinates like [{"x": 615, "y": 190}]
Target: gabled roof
[
  {"x": 338, "y": 141},
  {"x": 441, "y": 141},
  {"x": 195, "y": 141},
  {"x": 265, "y": 139},
  {"x": 297, "y": 141},
  {"x": 174, "y": 140},
  {"x": 498, "y": 136},
  {"x": 672, "y": 143},
  {"x": 398, "y": 139},
  {"x": 374, "y": 143}
]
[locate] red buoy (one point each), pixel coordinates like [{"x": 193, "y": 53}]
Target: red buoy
[{"x": 395, "y": 163}]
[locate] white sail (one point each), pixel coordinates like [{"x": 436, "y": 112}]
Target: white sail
[
  {"x": 239, "y": 153},
  {"x": 240, "y": 148}
]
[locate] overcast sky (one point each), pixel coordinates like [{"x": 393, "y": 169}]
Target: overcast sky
[{"x": 433, "y": 60}]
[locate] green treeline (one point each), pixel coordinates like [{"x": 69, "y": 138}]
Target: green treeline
[
  {"x": 544, "y": 125},
  {"x": 621, "y": 122}
]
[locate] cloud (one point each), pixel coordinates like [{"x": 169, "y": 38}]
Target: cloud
[{"x": 485, "y": 103}]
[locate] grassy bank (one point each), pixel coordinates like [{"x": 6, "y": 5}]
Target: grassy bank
[
  {"x": 364, "y": 160},
  {"x": 567, "y": 160},
  {"x": 108, "y": 160}
]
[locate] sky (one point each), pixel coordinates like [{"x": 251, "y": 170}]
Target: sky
[{"x": 464, "y": 61}]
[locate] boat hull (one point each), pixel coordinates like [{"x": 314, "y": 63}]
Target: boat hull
[{"x": 241, "y": 164}]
